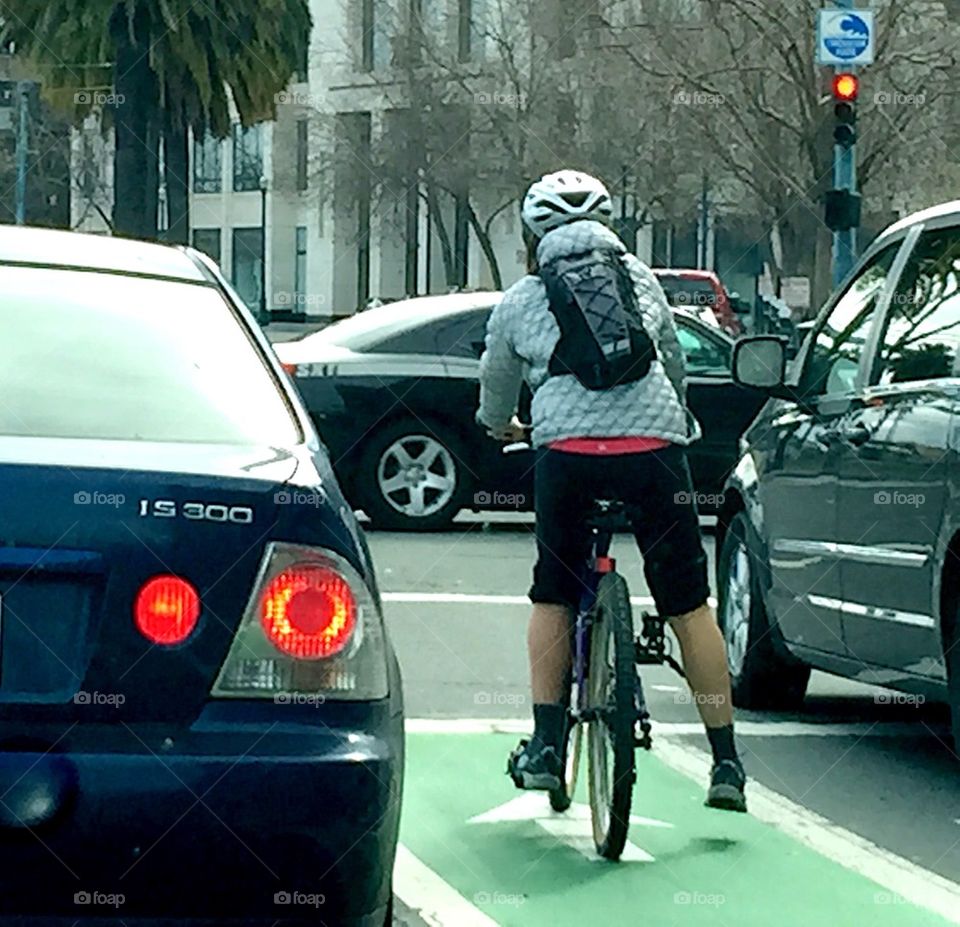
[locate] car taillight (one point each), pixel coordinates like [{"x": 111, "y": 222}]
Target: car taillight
[
  {"x": 312, "y": 631},
  {"x": 166, "y": 610},
  {"x": 290, "y": 368},
  {"x": 308, "y": 612}
]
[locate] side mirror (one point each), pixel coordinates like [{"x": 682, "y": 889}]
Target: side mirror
[{"x": 760, "y": 362}]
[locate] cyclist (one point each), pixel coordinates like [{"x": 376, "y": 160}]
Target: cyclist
[{"x": 625, "y": 442}]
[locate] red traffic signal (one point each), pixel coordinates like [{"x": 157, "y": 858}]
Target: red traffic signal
[{"x": 846, "y": 87}]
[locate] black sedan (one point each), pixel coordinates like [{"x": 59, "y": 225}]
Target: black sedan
[
  {"x": 393, "y": 392},
  {"x": 200, "y": 712}
]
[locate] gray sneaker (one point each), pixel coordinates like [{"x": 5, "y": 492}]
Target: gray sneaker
[
  {"x": 727, "y": 782},
  {"x": 533, "y": 765}
]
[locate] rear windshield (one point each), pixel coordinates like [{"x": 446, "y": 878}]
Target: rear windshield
[
  {"x": 367, "y": 329},
  {"x": 684, "y": 292},
  {"x": 98, "y": 355}
]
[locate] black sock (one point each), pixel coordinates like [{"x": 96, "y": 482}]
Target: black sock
[
  {"x": 549, "y": 721},
  {"x": 721, "y": 742}
]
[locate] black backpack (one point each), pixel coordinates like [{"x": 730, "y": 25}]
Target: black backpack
[{"x": 602, "y": 339}]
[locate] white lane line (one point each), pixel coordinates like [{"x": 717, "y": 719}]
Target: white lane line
[
  {"x": 470, "y": 598},
  {"x": 895, "y": 874},
  {"x": 670, "y": 729},
  {"x": 436, "y": 902}
]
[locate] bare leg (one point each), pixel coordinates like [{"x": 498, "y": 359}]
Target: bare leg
[
  {"x": 705, "y": 664},
  {"x": 548, "y": 644}
]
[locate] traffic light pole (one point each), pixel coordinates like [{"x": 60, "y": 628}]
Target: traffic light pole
[
  {"x": 844, "y": 178},
  {"x": 23, "y": 140}
]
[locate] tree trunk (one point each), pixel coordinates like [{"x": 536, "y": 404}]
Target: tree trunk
[
  {"x": 446, "y": 248},
  {"x": 487, "y": 247},
  {"x": 822, "y": 278},
  {"x": 176, "y": 176},
  {"x": 135, "y": 146}
]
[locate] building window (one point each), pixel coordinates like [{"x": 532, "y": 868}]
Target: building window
[
  {"x": 303, "y": 153},
  {"x": 248, "y": 265},
  {"x": 301, "y": 75},
  {"x": 207, "y": 165},
  {"x": 470, "y": 27},
  {"x": 300, "y": 269},
  {"x": 207, "y": 241},
  {"x": 247, "y": 158},
  {"x": 375, "y": 37}
]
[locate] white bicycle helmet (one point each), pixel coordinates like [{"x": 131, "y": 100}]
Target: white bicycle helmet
[{"x": 562, "y": 197}]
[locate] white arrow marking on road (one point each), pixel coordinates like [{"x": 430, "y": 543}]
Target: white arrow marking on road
[{"x": 572, "y": 828}]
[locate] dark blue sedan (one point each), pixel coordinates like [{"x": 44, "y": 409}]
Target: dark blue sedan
[{"x": 200, "y": 712}]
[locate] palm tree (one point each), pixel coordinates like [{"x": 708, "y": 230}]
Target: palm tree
[{"x": 176, "y": 64}]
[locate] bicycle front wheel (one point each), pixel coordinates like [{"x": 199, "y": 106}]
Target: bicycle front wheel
[{"x": 611, "y": 688}]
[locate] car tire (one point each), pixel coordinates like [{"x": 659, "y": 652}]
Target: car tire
[
  {"x": 760, "y": 676},
  {"x": 951, "y": 659},
  {"x": 435, "y": 481}
]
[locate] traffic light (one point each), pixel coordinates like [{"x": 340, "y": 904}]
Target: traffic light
[
  {"x": 843, "y": 210},
  {"x": 846, "y": 89}
]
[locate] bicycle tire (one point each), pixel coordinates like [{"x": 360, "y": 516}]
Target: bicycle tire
[
  {"x": 562, "y": 798},
  {"x": 611, "y": 686}
]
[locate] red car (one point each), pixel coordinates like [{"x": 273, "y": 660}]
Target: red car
[{"x": 702, "y": 292}]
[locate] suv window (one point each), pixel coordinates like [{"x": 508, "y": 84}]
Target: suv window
[
  {"x": 923, "y": 325},
  {"x": 834, "y": 357},
  {"x": 453, "y": 336},
  {"x": 103, "y": 356},
  {"x": 703, "y": 356}
]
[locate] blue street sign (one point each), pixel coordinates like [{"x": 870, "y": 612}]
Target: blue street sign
[{"x": 845, "y": 37}]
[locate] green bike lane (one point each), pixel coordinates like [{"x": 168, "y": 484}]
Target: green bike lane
[{"x": 517, "y": 862}]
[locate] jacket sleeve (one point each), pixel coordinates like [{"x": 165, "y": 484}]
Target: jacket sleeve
[
  {"x": 656, "y": 306},
  {"x": 501, "y": 371}
]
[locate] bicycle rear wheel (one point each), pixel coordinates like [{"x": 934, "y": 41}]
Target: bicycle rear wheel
[{"x": 610, "y": 738}]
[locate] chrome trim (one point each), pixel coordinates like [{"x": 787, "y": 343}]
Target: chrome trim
[
  {"x": 868, "y": 554},
  {"x": 870, "y": 611}
]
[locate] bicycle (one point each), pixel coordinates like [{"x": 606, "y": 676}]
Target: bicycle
[{"x": 606, "y": 691}]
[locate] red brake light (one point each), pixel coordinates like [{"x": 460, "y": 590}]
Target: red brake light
[
  {"x": 290, "y": 368},
  {"x": 166, "y": 610},
  {"x": 309, "y": 612}
]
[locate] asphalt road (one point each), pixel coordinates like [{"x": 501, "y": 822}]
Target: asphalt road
[{"x": 880, "y": 770}]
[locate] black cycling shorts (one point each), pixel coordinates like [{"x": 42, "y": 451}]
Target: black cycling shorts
[{"x": 657, "y": 491}]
